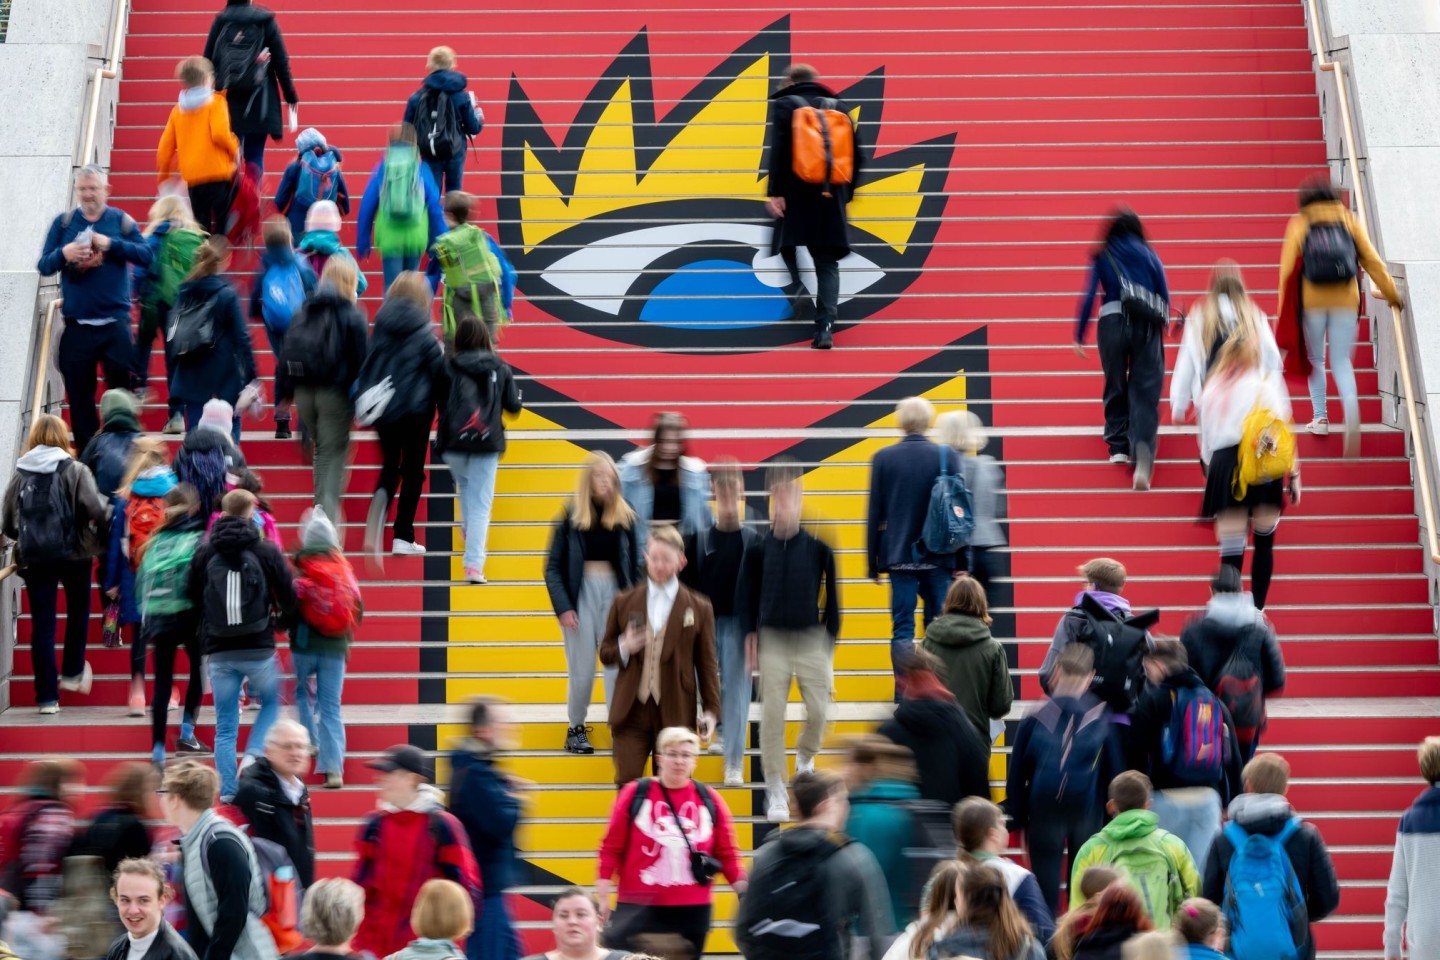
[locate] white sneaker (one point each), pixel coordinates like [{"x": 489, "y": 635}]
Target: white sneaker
[
  {"x": 405, "y": 548},
  {"x": 48, "y": 709},
  {"x": 777, "y": 805},
  {"x": 717, "y": 746},
  {"x": 1320, "y": 427},
  {"x": 174, "y": 425},
  {"x": 1352, "y": 439},
  {"x": 734, "y": 777},
  {"x": 80, "y": 684},
  {"x": 1119, "y": 458},
  {"x": 804, "y": 764}
]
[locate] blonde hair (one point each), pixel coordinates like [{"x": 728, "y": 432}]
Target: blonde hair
[
  {"x": 49, "y": 431},
  {"x": 961, "y": 430},
  {"x": 146, "y": 453},
  {"x": 442, "y": 911},
  {"x": 1106, "y": 574},
  {"x": 1225, "y": 280},
  {"x": 172, "y": 209},
  {"x": 1267, "y": 773},
  {"x": 935, "y": 912},
  {"x": 440, "y": 58},
  {"x": 332, "y": 911},
  {"x": 914, "y": 414},
  {"x": 673, "y": 735},
  {"x": 210, "y": 258},
  {"x": 411, "y": 285},
  {"x": 237, "y": 503},
  {"x": 667, "y": 534},
  {"x": 342, "y": 274},
  {"x": 1429, "y": 757},
  {"x": 1155, "y": 945},
  {"x": 617, "y": 512},
  {"x": 193, "y": 784},
  {"x": 275, "y": 231}
]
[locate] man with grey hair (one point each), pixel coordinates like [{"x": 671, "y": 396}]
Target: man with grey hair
[
  {"x": 901, "y": 477},
  {"x": 92, "y": 248},
  {"x": 274, "y": 799}
]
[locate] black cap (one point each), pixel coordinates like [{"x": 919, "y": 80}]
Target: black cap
[
  {"x": 403, "y": 757},
  {"x": 1227, "y": 580}
]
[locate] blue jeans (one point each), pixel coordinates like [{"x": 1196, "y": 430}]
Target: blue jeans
[
  {"x": 192, "y": 417},
  {"x": 1193, "y": 815},
  {"x": 329, "y": 673},
  {"x": 474, "y": 475},
  {"x": 1338, "y": 326},
  {"x": 494, "y": 937},
  {"x": 226, "y": 675},
  {"x": 252, "y": 146},
  {"x": 734, "y": 689},
  {"x": 448, "y": 174},
  {"x": 390, "y": 267},
  {"x": 907, "y": 589}
]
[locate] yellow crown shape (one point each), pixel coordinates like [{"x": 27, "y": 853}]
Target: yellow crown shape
[{"x": 710, "y": 146}]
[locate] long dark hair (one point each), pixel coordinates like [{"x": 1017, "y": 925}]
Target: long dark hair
[{"x": 1124, "y": 222}]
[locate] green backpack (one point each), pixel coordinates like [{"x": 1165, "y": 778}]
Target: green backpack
[
  {"x": 164, "y": 574},
  {"x": 173, "y": 263},
  {"x": 467, "y": 262},
  {"x": 1152, "y": 873},
  {"x": 402, "y": 225}
]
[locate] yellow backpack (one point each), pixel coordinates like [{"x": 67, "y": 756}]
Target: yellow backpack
[{"x": 1267, "y": 450}]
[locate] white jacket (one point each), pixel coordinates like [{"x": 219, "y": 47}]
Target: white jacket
[
  {"x": 1192, "y": 362},
  {"x": 1226, "y": 402}
]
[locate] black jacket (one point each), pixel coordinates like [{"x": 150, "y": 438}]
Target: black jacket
[
  {"x": 698, "y": 550},
  {"x": 230, "y": 537},
  {"x": 1148, "y": 721},
  {"x": 811, "y": 218},
  {"x": 1103, "y": 944},
  {"x": 565, "y": 564},
  {"x": 782, "y": 583},
  {"x": 1267, "y": 813},
  {"x": 480, "y": 366},
  {"x": 257, "y": 110},
  {"x": 273, "y": 817},
  {"x": 168, "y": 945},
  {"x": 115, "y": 834},
  {"x": 954, "y": 763},
  {"x": 901, "y": 476},
  {"x": 403, "y": 347},
  {"x": 107, "y": 455},
  {"x": 1040, "y": 735},
  {"x": 224, "y": 371},
  {"x": 1210, "y": 640},
  {"x": 354, "y": 328}
]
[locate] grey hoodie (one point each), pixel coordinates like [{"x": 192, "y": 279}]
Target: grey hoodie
[{"x": 92, "y": 513}]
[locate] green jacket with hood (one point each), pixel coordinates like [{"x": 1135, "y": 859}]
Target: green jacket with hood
[
  {"x": 976, "y": 670},
  {"x": 1136, "y": 828},
  {"x": 879, "y": 820}
]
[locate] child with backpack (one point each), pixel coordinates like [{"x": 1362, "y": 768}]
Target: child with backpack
[
  {"x": 197, "y": 143},
  {"x": 445, "y": 117},
  {"x": 1154, "y": 861},
  {"x": 249, "y": 481},
  {"x": 321, "y": 241},
  {"x": 400, "y": 214},
  {"x": 107, "y": 455},
  {"x": 281, "y": 285},
  {"x": 170, "y": 620},
  {"x": 1201, "y": 930},
  {"x": 479, "y": 280},
  {"x": 1269, "y": 870},
  {"x": 117, "y": 571},
  {"x": 330, "y": 610},
  {"x": 313, "y": 175},
  {"x": 209, "y": 337},
  {"x": 1060, "y": 763},
  {"x": 173, "y": 237}
]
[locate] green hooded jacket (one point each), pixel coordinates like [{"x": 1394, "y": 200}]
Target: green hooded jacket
[
  {"x": 976, "y": 670},
  {"x": 880, "y": 821}
]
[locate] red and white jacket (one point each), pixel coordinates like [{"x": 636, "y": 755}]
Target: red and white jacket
[{"x": 649, "y": 856}]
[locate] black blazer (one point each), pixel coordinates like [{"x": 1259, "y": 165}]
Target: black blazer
[{"x": 565, "y": 564}]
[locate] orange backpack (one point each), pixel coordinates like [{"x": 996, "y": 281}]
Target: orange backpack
[
  {"x": 822, "y": 143},
  {"x": 142, "y": 517}
]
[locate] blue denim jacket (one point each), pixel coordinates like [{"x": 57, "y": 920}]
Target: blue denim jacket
[{"x": 694, "y": 494}]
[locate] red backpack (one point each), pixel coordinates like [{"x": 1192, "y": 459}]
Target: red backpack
[
  {"x": 142, "y": 517},
  {"x": 328, "y": 593}
]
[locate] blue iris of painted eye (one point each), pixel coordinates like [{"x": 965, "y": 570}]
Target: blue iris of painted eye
[{"x": 714, "y": 294}]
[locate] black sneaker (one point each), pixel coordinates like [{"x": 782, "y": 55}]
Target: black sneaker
[
  {"x": 577, "y": 740},
  {"x": 190, "y": 745},
  {"x": 823, "y": 340},
  {"x": 282, "y": 430}
]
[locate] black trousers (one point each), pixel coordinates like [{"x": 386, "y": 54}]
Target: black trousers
[
  {"x": 404, "y": 445},
  {"x": 1132, "y": 356},
  {"x": 42, "y": 586},
  {"x": 827, "y": 281},
  {"x": 1047, "y": 836},
  {"x": 211, "y": 204},
  {"x": 673, "y": 933},
  {"x": 83, "y": 347},
  {"x": 177, "y": 633}
]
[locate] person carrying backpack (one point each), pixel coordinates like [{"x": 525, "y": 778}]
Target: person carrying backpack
[
  {"x": 282, "y": 282},
  {"x": 1061, "y": 761},
  {"x": 208, "y": 458},
  {"x": 1185, "y": 741},
  {"x": 314, "y": 175},
  {"x": 952, "y": 759},
  {"x": 396, "y": 392},
  {"x": 330, "y": 610},
  {"x": 884, "y": 799},
  {"x": 479, "y": 280},
  {"x": 171, "y": 621},
  {"x": 445, "y": 117},
  {"x": 198, "y": 147},
  {"x": 1152, "y": 860},
  {"x": 147, "y": 479},
  {"x": 976, "y": 669},
  {"x": 224, "y": 884},
  {"x": 1270, "y": 871},
  {"x": 902, "y": 479},
  {"x": 117, "y": 572},
  {"x": 252, "y": 68},
  {"x": 107, "y": 456},
  {"x": 400, "y": 213},
  {"x": 236, "y": 582},
  {"x": 962, "y": 431},
  {"x": 173, "y": 237},
  {"x": 321, "y": 241},
  {"x": 324, "y": 349},
  {"x": 1324, "y": 251},
  {"x": 58, "y": 521},
  {"x": 1234, "y": 650},
  {"x": 810, "y": 883},
  {"x": 475, "y": 391},
  {"x": 209, "y": 337},
  {"x": 36, "y": 832}
]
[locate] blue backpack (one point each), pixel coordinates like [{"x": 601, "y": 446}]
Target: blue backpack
[
  {"x": 1068, "y": 770},
  {"x": 319, "y": 178},
  {"x": 950, "y": 518},
  {"x": 282, "y": 293},
  {"x": 1194, "y": 745},
  {"x": 1264, "y": 904}
]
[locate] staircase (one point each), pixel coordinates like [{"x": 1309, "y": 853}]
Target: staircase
[{"x": 623, "y": 149}]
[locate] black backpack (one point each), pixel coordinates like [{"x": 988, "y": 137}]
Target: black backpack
[
  {"x": 237, "y": 55},
  {"x": 437, "y": 126},
  {"x": 192, "y": 333},
  {"x": 1240, "y": 685},
  {"x": 1119, "y": 646},
  {"x": 237, "y": 599},
  {"x": 47, "y": 517},
  {"x": 1068, "y": 769},
  {"x": 312, "y": 346},
  {"x": 472, "y": 412},
  {"x": 394, "y": 381},
  {"x": 1329, "y": 254},
  {"x": 786, "y": 910}
]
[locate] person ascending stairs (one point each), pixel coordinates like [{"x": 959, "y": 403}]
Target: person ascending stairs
[{"x": 400, "y": 213}]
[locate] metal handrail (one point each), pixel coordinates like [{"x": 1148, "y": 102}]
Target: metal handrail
[
  {"x": 42, "y": 360},
  {"x": 109, "y": 70},
  {"x": 1397, "y": 317}
]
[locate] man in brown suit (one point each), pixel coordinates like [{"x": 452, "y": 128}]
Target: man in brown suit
[{"x": 661, "y": 634}]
